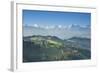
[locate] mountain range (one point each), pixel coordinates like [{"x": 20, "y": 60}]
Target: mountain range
[{"x": 63, "y": 32}]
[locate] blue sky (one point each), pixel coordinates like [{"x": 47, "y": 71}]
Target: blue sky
[{"x": 43, "y": 18}]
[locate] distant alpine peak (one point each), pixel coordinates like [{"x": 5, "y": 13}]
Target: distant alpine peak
[
  {"x": 71, "y": 26},
  {"x": 76, "y": 26}
]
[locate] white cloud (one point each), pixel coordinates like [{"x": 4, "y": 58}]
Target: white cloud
[
  {"x": 47, "y": 27},
  {"x": 35, "y": 25},
  {"x": 59, "y": 26}
]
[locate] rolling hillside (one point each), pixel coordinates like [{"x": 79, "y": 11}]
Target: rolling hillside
[{"x": 51, "y": 48}]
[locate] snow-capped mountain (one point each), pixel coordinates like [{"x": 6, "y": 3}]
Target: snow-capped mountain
[{"x": 61, "y": 31}]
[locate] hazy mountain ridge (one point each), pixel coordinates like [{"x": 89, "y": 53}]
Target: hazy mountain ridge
[
  {"x": 80, "y": 42},
  {"x": 63, "y": 32}
]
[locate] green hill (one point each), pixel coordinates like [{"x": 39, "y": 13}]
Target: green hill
[{"x": 51, "y": 48}]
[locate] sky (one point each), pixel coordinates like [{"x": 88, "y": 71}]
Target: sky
[{"x": 49, "y": 18}]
